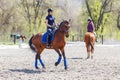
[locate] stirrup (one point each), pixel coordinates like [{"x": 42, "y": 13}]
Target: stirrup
[{"x": 48, "y": 46}]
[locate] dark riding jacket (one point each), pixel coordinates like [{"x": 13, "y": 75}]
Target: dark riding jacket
[
  {"x": 90, "y": 27},
  {"x": 51, "y": 20}
]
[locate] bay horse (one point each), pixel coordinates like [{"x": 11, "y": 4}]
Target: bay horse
[
  {"x": 23, "y": 37},
  {"x": 15, "y": 36},
  {"x": 89, "y": 41},
  {"x": 58, "y": 44}
]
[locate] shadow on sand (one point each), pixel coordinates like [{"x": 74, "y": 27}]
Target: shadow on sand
[
  {"x": 28, "y": 71},
  {"x": 75, "y": 58}
]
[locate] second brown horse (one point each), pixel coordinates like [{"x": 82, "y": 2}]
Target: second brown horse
[
  {"x": 58, "y": 44},
  {"x": 89, "y": 41}
]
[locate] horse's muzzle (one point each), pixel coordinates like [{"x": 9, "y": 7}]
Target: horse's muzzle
[{"x": 67, "y": 33}]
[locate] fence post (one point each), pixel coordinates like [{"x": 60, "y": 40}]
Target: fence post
[
  {"x": 72, "y": 38},
  {"x": 14, "y": 39}
]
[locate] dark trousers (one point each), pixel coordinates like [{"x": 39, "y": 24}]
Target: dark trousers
[{"x": 49, "y": 31}]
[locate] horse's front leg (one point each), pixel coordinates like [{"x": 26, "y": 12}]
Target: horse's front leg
[
  {"x": 59, "y": 59},
  {"x": 65, "y": 61}
]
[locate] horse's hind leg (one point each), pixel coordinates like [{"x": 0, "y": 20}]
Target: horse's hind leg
[
  {"x": 92, "y": 51},
  {"x": 59, "y": 59},
  {"x": 36, "y": 61},
  {"x": 88, "y": 51},
  {"x": 41, "y": 62}
]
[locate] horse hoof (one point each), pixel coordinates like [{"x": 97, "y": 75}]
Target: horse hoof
[
  {"x": 56, "y": 63},
  {"x": 37, "y": 67},
  {"x": 65, "y": 68},
  {"x": 87, "y": 57},
  {"x": 43, "y": 67}
]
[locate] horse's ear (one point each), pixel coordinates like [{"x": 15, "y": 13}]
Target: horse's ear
[{"x": 69, "y": 20}]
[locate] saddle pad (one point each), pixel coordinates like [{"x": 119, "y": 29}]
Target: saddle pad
[{"x": 44, "y": 37}]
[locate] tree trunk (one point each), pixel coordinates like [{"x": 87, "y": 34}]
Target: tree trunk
[
  {"x": 118, "y": 20},
  {"x": 103, "y": 11}
]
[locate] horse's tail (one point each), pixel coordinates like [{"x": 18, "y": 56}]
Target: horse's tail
[
  {"x": 30, "y": 44},
  {"x": 91, "y": 42}
]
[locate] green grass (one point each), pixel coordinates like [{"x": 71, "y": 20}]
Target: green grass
[{"x": 7, "y": 43}]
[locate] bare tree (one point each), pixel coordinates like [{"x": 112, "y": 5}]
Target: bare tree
[
  {"x": 5, "y": 16},
  {"x": 35, "y": 10},
  {"x": 118, "y": 19},
  {"x": 105, "y": 8}
]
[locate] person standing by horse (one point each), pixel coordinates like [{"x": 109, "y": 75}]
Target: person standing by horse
[{"x": 50, "y": 23}]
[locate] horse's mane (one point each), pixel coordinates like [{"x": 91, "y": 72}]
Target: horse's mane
[{"x": 62, "y": 22}]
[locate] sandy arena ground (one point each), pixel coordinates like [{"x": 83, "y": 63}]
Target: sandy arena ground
[{"x": 18, "y": 64}]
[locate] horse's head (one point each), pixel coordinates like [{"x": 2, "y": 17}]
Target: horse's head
[
  {"x": 64, "y": 27},
  {"x": 22, "y": 37}
]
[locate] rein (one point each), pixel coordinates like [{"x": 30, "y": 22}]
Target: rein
[{"x": 65, "y": 31}]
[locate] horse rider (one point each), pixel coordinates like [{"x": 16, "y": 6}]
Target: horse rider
[
  {"x": 90, "y": 27},
  {"x": 50, "y": 23}
]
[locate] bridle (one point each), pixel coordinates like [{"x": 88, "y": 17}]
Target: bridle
[{"x": 64, "y": 31}]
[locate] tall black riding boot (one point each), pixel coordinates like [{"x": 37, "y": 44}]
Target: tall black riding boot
[{"x": 48, "y": 37}]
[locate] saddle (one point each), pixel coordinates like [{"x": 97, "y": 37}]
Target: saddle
[{"x": 44, "y": 37}]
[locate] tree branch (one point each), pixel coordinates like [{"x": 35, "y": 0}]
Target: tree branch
[
  {"x": 110, "y": 9},
  {"x": 88, "y": 8},
  {"x": 104, "y": 11},
  {"x": 118, "y": 20},
  {"x": 89, "y": 12}
]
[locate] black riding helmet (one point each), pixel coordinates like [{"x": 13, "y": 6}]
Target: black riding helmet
[{"x": 50, "y": 10}]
